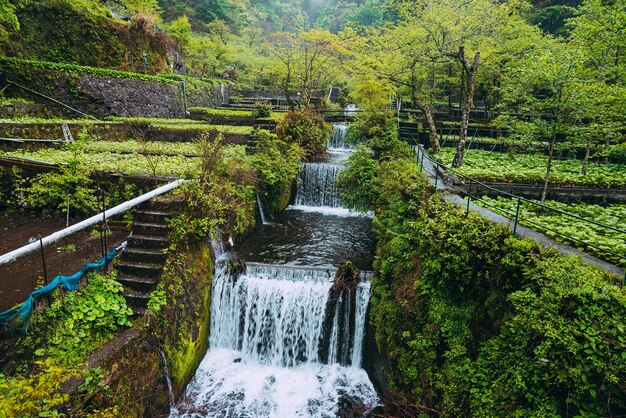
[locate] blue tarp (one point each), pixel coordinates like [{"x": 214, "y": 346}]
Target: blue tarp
[{"x": 69, "y": 282}]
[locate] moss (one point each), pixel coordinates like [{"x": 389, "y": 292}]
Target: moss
[
  {"x": 183, "y": 324},
  {"x": 186, "y": 356},
  {"x": 282, "y": 202}
]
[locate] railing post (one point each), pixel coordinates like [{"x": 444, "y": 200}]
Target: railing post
[
  {"x": 436, "y": 175},
  {"x": 469, "y": 196},
  {"x": 516, "y": 216},
  {"x": 422, "y": 162},
  {"x": 104, "y": 231},
  {"x": 43, "y": 260}
]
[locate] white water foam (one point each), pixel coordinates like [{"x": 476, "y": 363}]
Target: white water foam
[
  {"x": 228, "y": 384},
  {"x": 266, "y": 328},
  {"x": 327, "y": 210}
]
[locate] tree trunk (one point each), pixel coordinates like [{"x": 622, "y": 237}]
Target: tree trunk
[
  {"x": 429, "y": 121},
  {"x": 290, "y": 102},
  {"x": 548, "y": 167},
  {"x": 469, "y": 70},
  {"x": 583, "y": 170}
]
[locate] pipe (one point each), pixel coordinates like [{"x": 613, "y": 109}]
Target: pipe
[
  {"x": 123, "y": 207},
  {"x": 52, "y": 99}
]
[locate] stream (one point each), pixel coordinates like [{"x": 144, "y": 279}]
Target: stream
[{"x": 282, "y": 344}]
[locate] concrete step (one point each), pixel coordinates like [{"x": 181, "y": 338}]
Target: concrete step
[
  {"x": 137, "y": 312},
  {"x": 139, "y": 284},
  {"x": 147, "y": 270},
  {"x": 136, "y": 299},
  {"x": 152, "y": 216},
  {"x": 146, "y": 241},
  {"x": 146, "y": 255},
  {"x": 152, "y": 229}
]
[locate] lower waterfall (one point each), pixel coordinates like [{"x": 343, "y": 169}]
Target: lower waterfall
[{"x": 266, "y": 330}]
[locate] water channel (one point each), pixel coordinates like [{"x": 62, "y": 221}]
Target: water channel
[{"x": 281, "y": 343}]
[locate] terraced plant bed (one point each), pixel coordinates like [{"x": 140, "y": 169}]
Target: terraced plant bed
[
  {"x": 120, "y": 129},
  {"x": 608, "y": 244},
  {"x": 528, "y": 168},
  {"x": 171, "y": 166},
  {"x": 232, "y": 116}
]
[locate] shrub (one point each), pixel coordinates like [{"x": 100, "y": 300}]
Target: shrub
[
  {"x": 306, "y": 129},
  {"x": 262, "y": 110}
]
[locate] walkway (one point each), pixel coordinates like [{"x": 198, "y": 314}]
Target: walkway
[{"x": 445, "y": 183}]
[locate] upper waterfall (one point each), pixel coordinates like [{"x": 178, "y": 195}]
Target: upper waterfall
[{"x": 317, "y": 185}]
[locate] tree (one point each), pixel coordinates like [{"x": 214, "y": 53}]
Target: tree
[
  {"x": 8, "y": 21},
  {"x": 308, "y": 63},
  {"x": 180, "y": 30},
  {"x": 546, "y": 91}
]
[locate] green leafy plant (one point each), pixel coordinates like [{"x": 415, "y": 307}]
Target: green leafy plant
[
  {"x": 262, "y": 110},
  {"x": 306, "y": 129},
  {"x": 74, "y": 324},
  {"x": 524, "y": 168}
]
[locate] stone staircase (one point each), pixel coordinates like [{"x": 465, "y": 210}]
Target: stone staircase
[{"x": 141, "y": 263}]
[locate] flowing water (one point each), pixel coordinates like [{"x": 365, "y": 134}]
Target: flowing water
[{"x": 284, "y": 342}]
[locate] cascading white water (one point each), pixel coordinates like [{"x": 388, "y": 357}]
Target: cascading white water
[
  {"x": 168, "y": 379},
  {"x": 337, "y": 138},
  {"x": 270, "y": 320},
  {"x": 261, "y": 211},
  {"x": 266, "y": 329},
  {"x": 317, "y": 185},
  {"x": 362, "y": 300}
]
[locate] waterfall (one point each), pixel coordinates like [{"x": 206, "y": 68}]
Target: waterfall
[
  {"x": 317, "y": 185},
  {"x": 271, "y": 320},
  {"x": 261, "y": 211},
  {"x": 362, "y": 300},
  {"x": 336, "y": 139},
  {"x": 267, "y": 327},
  {"x": 168, "y": 379}
]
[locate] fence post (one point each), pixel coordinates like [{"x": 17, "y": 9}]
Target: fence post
[
  {"x": 469, "y": 196},
  {"x": 422, "y": 162},
  {"x": 43, "y": 260},
  {"x": 104, "y": 223},
  {"x": 436, "y": 175},
  {"x": 516, "y": 216}
]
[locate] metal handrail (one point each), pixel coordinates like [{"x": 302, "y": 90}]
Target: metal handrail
[{"x": 123, "y": 207}]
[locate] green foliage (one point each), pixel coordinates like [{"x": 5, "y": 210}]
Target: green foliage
[
  {"x": 77, "y": 31},
  {"x": 38, "y": 394},
  {"x": 524, "y": 168},
  {"x": 356, "y": 181},
  {"x": 65, "y": 189},
  {"x": 262, "y": 110},
  {"x": 561, "y": 352},
  {"x": 277, "y": 163},
  {"x": 20, "y": 65},
  {"x": 180, "y": 30},
  {"x": 8, "y": 21},
  {"x": 475, "y": 322},
  {"x": 222, "y": 193},
  {"x": 602, "y": 242},
  {"x": 76, "y": 323},
  {"x": 306, "y": 129},
  {"x": 378, "y": 128}
]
